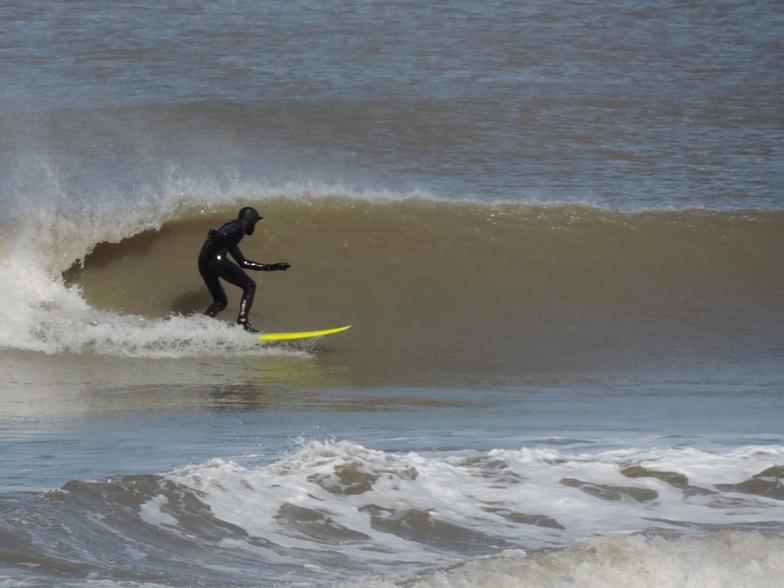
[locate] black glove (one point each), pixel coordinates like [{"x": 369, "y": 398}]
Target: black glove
[{"x": 276, "y": 267}]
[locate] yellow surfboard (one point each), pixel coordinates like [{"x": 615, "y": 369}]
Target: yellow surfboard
[{"x": 273, "y": 337}]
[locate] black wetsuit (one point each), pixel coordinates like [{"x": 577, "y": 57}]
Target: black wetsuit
[{"x": 214, "y": 263}]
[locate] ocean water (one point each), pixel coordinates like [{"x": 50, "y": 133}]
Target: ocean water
[{"x": 556, "y": 228}]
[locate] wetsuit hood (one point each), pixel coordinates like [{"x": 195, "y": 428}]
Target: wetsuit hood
[{"x": 251, "y": 217}]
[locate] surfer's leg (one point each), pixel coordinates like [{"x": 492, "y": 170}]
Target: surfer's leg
[
  {"x": 234, "y": 275},
  {"x": 214, "y": 308},
  {"x": 219, "y": 299}
]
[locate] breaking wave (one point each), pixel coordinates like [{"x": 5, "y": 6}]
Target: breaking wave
[{"x": 499, "y": 515}]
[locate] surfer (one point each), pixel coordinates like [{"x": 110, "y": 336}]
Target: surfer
[{"x": 214, "y": 264}]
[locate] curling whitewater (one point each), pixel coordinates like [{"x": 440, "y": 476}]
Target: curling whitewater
[
  {"x": 333, "y": 512},
  {"x": 45, "y": 314}
]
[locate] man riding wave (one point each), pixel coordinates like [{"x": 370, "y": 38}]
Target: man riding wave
[{"x": 214, "y": 264}]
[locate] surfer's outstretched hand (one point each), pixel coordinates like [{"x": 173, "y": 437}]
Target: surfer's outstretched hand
[{"x": 276, "y": 267}]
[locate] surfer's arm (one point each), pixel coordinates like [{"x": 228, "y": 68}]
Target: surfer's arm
[
  {"x": 246, "y": 263},
  {"x": 255, "y": 265}
]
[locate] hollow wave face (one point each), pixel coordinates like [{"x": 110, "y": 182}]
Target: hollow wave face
[
  {"x": 42, "y": 312},
  {"x": 540, "y": 285}
]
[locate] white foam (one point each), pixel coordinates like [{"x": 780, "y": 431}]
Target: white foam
[
  {"x": 728, "y": 559},
  {"x": 150, "y": 512},
  {"x": 702, "y": 467},
  {"x": 41, "y": 313},
  {"x": 487, "y": 493}
]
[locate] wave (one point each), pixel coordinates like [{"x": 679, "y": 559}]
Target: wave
[
  {"x": 351, "y": 512},
  {"x": 535, "y": 281}
]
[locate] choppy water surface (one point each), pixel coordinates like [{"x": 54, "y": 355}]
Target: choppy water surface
[
  {"x": 612, "y": 103},
  {"x": 556, "y": 230}
]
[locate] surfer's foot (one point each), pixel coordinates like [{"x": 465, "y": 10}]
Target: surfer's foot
[{"x": 243, "y": 320}]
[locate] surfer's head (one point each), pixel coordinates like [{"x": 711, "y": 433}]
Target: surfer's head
[{"x": 251, "y": 216}]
